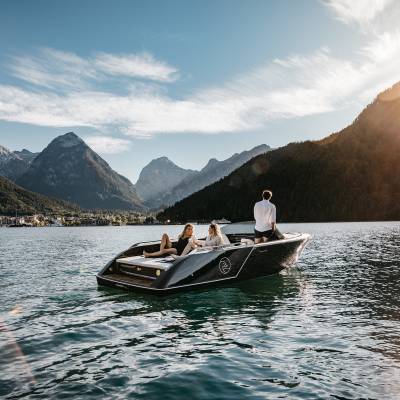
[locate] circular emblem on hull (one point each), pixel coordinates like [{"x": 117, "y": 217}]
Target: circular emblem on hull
[{"x": 225, "y": 266}]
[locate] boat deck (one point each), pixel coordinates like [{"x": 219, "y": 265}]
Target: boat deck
[{"x": 162, "y": 263}]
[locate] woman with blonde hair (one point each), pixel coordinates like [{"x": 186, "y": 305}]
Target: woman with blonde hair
[
  {"x": 213, "y": 239},
  {"x": 182, "y": 247}
]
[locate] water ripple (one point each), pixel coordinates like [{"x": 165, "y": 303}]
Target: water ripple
[{"x": 328, "y": 328}]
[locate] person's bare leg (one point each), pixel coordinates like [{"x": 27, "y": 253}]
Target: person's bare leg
[
  {"x": 164, "y": 245},
  {"x": 257, "y": 240},
  {"x": 160, "y": 253},
  {"x": 165, "y": 242}
]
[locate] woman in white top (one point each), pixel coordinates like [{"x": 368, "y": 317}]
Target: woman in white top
[{"x": 213, "y": 239}]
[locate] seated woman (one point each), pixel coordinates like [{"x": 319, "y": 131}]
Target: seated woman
[
  {"x": 213, "y": 239},
  {"x": 183, "y": 246}
]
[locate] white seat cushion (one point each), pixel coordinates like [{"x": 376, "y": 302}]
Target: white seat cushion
[{"x": 159, "y": 263}]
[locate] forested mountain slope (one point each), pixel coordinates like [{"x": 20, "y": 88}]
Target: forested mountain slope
[
  {"x": 13, "y": 199},
  {"x": 352, "y": 175}
]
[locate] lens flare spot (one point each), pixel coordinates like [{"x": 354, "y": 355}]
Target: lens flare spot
[{"x": 16, "y": 310}]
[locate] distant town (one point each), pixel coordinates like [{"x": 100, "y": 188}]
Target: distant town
[
  {"x": 98, "y": 218},
  {"x": 81, "y": 219}
]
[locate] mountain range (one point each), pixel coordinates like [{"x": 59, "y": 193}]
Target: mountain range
[
  {"x": 162, "y": 183},
  {"x": 14, "y": 163},
  {"x": 158, "y": 177},
  {"x": 351, "y": 175},
  {"x": 68, "y": 169}
]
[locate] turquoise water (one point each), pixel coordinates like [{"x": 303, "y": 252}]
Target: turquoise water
[{"x": 328, "y": 328}]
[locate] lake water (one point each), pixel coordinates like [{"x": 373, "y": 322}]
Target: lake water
[{"x": 329, "y": 328}]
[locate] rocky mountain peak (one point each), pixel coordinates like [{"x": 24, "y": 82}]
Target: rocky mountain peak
[
  {"x": 161, "y": 161},
  {"x": 260, "y": 147},
  {"x": 68, "y": 169},
  {"x": 158, "y": 177},
  {"x": 212, "y": 172},
  {"x": 70, "y": 139},
  {"x": 23, "y": 151},
  {"x": 25, "y": 155},
  {"x": 4, "y": 151},
  {"x": 212, "y": 162},
  {"x": 161, "y": 165},
  {"x": 12, "y": 165}
]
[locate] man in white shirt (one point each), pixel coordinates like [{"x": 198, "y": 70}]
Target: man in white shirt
[{"x": 265, "y": 216}]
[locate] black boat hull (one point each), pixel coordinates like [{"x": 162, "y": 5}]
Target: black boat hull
[{"x": 222, "y": 266}]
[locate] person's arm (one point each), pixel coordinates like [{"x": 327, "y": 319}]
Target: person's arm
[
  {"x": 199, "y": 242},
  {"x": 194, "y": 242},
  {"x": 273, "y": 219}
]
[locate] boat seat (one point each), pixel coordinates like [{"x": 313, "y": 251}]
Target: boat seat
[
  {"x": 163, "y": 263},
  {"x": 197, "y": 250},
  {"x": 158, "y": 262}
]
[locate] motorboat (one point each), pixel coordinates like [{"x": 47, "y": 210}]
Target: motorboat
[{"x": 237, "y": 259}]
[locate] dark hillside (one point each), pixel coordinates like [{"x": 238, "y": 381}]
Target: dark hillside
[
  {"x": 14, "y": 198},
  {"x": 352, "y": 175}
]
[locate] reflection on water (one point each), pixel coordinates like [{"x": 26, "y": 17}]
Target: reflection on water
[{"x": 326, "y": 328}]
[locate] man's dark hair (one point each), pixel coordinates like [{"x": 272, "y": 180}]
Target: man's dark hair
[{"x": 266, "y": 194}]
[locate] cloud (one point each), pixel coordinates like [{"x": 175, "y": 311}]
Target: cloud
[
  {"x": 361, "y": 12},
  {"x": 60, "y": 70},
  {"x": 107, "y": 144},
  {"x": 54, "y": 69},
  {"x": 384, "y": 48},
  {"x": 137, "y": 66},
  {"x": 292, "y": 87}
]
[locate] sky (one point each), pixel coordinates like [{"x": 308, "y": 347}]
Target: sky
[{"x": 190, "y": 80}]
